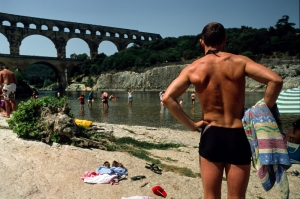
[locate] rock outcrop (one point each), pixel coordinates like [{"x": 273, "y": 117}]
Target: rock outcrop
[
  {"x": 58, "y": 123},
  {"x": 160, "y": 77},
  {"x": 288, "y": 70},
  {"x": 78, "y": 87},
  {"x": 61, "y": 127}
]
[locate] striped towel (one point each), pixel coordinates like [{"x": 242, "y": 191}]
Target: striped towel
[{"x": 269, "y": 153}]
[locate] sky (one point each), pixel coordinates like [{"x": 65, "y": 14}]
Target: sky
[{"x": 169, "y": 18}]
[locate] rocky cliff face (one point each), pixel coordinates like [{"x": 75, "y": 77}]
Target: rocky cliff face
[
  {"x": 154, "y": 79},
  {"x": 160, "y": 78},
  {"x": 288, "y": 70}
]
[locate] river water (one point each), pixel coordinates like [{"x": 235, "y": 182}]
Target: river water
[{"x": 145, "y": 110}]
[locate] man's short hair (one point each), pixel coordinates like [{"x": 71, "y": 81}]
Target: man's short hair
[
  {"x": 213, "y": 34},
  {"x": 3, "y": 67}
]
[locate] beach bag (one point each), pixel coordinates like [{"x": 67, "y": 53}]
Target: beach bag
[{"x": 294, "y": 151}]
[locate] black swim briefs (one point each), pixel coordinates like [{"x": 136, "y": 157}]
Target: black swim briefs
[{"x": 228, "y": 145}]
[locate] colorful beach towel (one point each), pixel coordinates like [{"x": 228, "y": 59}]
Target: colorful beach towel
[{"x": 269, "y": 153}]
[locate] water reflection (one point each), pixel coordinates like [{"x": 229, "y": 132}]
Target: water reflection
[
  {"x": 193, "y": 110},
  {"x": 91, "y": 112},
  {"x": 146, "y": 109},
  {"x": 82, "y": 113},
  {"x": 130, "y": 114},
  {"x": 104, "y": 114},
  {"x": 162, "y": 113}
]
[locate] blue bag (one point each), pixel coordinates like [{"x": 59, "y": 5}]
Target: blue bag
[{"x": 294, "y": 151}]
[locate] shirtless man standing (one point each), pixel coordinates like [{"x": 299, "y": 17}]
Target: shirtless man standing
[
  {"x": 8, "y": 82},
  {"x": 219, "y": 80}
]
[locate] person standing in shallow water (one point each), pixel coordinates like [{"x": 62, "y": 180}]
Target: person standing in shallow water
[
  {"x": 90, "y": 99},
  {"x": 224, "y": 145},
  {"x": 161, "y": 94},
  {"x": 193, "y": 98},
  {"x": 81, "y": 100},
  {"x": 130, "y": 97},
  {"x": 181, "y": 102},
  {"x": 104, "y": 100}
]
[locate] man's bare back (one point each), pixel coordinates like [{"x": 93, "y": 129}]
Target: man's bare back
[
  {"x": 219, "y": 81},
  {"x": 220, "y": 88},
  {"x": 7, "y": 77}
]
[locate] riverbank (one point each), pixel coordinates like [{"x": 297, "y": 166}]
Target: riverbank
[
  {"x": 32, "y": 169},
  {"x": 159, "y": 78}
]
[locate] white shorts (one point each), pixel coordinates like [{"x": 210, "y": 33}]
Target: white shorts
[{"x": 9, "y": 91}]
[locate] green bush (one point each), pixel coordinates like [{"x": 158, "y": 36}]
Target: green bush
[{"x": 25, "y": 120}]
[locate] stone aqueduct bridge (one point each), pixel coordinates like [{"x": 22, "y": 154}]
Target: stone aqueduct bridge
[
  {"x": 62, "y": 67},
  {"x": 16, "y": 28}
]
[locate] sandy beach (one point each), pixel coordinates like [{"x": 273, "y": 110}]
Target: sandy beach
[{"x": 32, "y": 169}]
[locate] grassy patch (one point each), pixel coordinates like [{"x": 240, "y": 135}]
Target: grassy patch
[
  {"x": 180, "y": 170},
  {"x": 98, "y": 136},
  {"x": 171, "y": 160},
  {"x": 143, "y": 144},
  {"x": 167, "y": 159},
  {"x": 138, "y": 149},
  {"x": 145, "y": 155}
]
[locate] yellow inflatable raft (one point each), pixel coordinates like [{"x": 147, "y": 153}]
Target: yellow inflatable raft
[{"x": 84, "y": 123}]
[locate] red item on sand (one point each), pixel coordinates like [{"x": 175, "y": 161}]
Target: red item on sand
[{"x": 158, "y": 190}]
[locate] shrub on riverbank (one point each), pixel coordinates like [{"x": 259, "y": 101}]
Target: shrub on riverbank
[{"x": 25, "y": 121}]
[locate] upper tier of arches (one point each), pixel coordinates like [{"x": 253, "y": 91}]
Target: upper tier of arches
[{"x": 16, "y": 28}]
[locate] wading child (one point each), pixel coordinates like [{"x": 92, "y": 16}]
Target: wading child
[
  {"x": 181, "y": 102},
  {"x": 81, "y": 100}
]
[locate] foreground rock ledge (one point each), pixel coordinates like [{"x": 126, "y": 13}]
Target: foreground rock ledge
[{"x": 32, "y": 169}]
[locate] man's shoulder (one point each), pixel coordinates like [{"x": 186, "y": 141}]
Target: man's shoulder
[
  {"x": 236, "y": 57},
  {"x": 6, "y": 71},
  {"x": 197, "y": 62}
]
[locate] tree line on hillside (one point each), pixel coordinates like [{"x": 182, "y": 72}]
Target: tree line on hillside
[{"x": 282, "y": 40}]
